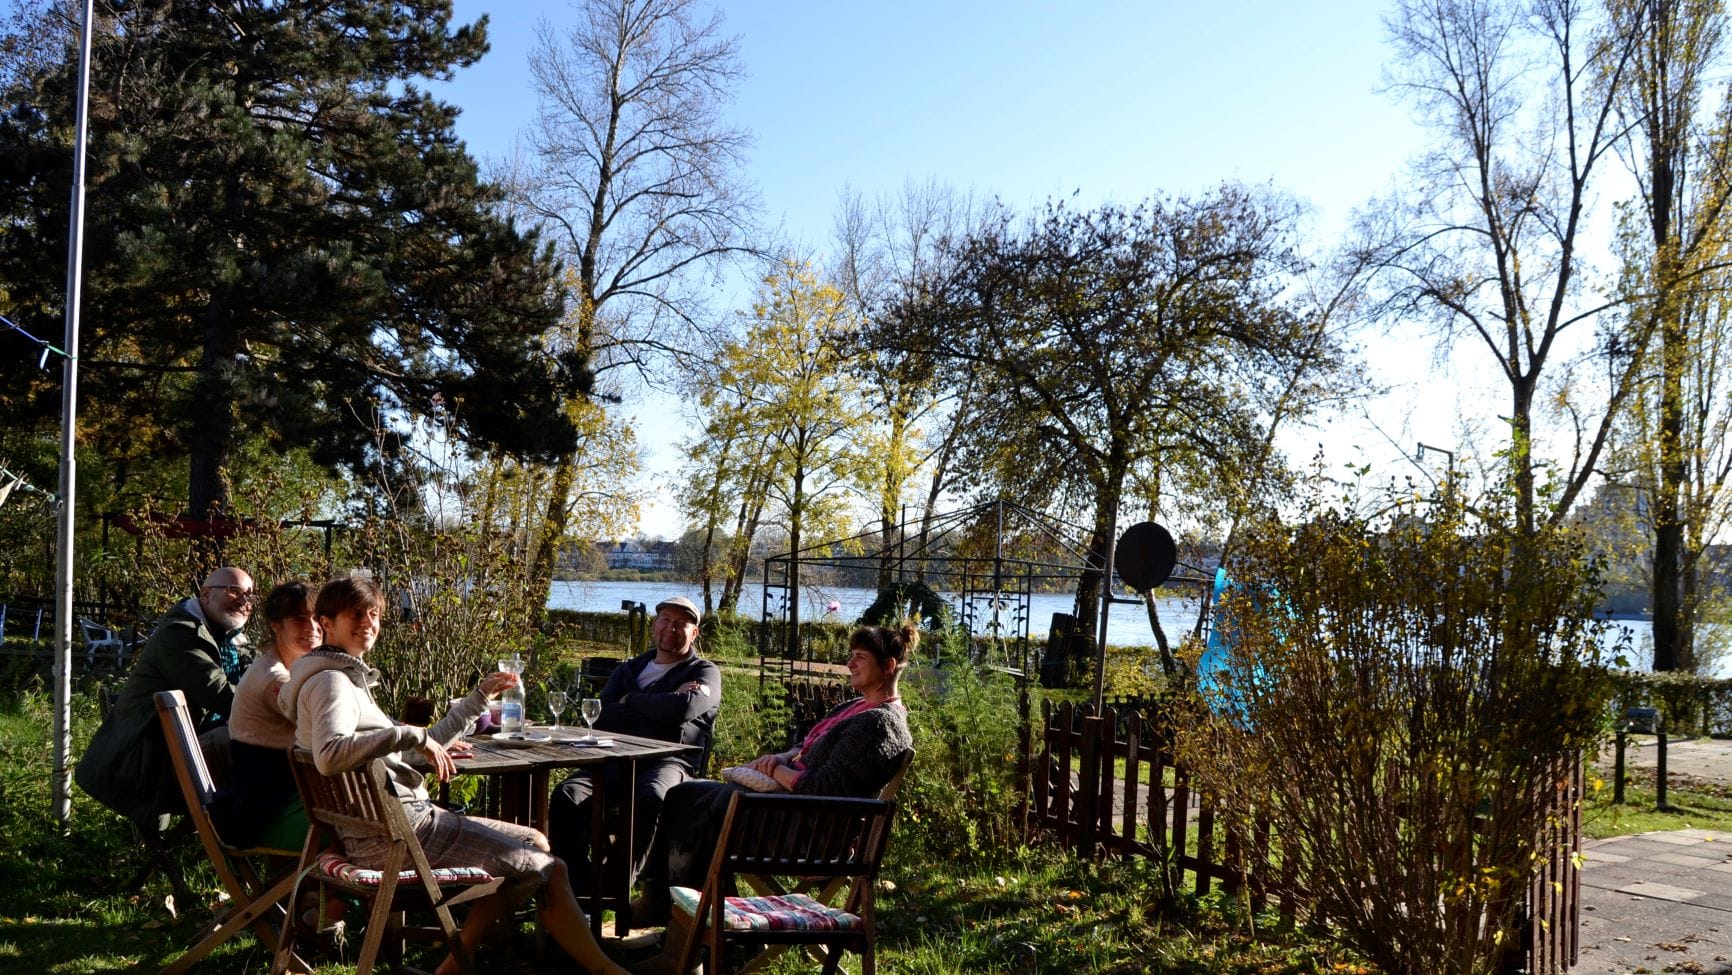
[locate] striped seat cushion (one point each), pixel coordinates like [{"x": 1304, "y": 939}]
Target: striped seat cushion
[
  {"x": 335, "y": 866},
  {"x": 788, "y": 912}
]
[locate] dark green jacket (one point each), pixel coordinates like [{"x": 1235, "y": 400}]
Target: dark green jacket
[{"x": 127, "y": 767}]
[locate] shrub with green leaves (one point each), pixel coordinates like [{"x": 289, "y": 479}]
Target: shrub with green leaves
[
  {"x": 959, "y": 792},
  {"x": 1406, "y": 696}
]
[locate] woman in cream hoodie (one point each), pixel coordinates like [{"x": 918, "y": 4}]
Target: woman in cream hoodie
[{"x": 330, "y": 700}]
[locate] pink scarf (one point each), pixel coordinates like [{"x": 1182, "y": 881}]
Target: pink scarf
[{"x": 823, "y": 727}]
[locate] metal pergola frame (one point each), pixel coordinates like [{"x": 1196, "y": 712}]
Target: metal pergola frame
[{"x": 988, "y": 595}]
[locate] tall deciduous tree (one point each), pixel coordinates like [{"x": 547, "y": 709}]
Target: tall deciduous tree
[
  {"x": 1681, "y": 155},
  {"x": 1117, "y": 342},
  {"x": 637, "y": 173},
  {"x": 726, "y": 488},
  {"x": 788, "y": 397},
  {"x": 283, "y": 234},
  {"x": 1521, "y": 98},
  {"x": 885, "y": 250}
]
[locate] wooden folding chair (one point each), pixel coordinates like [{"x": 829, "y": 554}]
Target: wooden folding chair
[
  {"x": 361, "y": 802},
  {"x": 254, "y": 898},
  {"x": 815, "y": 837},
  {"x": 821, "y": 889}
]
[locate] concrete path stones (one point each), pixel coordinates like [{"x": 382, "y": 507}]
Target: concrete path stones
[{"x": 1661, "y": 902}]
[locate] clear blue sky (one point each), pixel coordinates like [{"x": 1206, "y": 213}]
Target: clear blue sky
[
  {"x": 1022, "y": 100},
  {"x": 1026, "y": 101}
]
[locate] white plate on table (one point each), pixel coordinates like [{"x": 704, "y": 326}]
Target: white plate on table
[{"x": 522, "y": 739}]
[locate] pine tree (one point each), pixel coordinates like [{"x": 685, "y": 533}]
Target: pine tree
[{"x": 283, "y": 236}]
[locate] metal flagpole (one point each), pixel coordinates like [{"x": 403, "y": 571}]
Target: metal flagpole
[{"x": 68, "y": 440}]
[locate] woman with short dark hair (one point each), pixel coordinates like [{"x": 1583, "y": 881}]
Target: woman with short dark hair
[
  {"x": 259, "y": 806},
  {"x": 330, "y": 699}
]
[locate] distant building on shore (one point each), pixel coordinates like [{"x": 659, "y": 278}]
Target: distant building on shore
[{"x": 644, "y": 556}]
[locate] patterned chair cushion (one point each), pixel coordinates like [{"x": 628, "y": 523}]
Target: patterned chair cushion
[
  {"x": 334, "y": 865},
  {"x": 751, "y": 778},
  {"x": 788, "y": 912}
]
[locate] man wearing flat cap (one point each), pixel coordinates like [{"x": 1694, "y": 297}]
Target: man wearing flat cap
[
  {"x": 198, "y": 649},
  {"x": 668, "y": 693}
]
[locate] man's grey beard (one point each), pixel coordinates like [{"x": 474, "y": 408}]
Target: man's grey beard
[{"x": 226, "y": 620}]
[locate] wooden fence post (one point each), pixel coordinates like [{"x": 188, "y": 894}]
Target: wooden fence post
[
  {"x": 1133, "y": 776},
  {"x": 1088, "y": 788},
  {"x": 1023, "y": 734}
]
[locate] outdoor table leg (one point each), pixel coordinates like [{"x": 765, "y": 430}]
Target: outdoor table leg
[
  {"x": 538, "y": 798},
  {"x": 516, "y": 801},
  {"x": 619, "y": 879},
  {"x": 597, "y": 849}
]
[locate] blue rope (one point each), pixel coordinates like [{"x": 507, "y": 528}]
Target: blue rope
[{"x": 51, "y": 348}]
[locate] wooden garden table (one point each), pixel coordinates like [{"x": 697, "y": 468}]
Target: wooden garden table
[{"x": 519, "y": 787}]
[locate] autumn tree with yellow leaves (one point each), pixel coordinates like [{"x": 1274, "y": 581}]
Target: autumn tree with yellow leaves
[{"x": 782, "y": 417}]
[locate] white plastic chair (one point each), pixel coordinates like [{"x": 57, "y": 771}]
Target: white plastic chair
[{"x": 100, "y": 638}]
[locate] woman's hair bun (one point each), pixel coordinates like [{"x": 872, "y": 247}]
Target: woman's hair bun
[{"x": 909, "y": 634}]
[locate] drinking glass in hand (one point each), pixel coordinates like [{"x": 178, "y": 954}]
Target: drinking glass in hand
[
  {"x": 591, "y": 709},
  {"x": 556, "y": 704}
]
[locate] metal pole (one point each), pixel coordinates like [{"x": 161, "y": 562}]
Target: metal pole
[
  {"x": 1660, "y": 774},
  {"x": 68, "y": 440},
  {"x": 1106, "y": 609},
  {"x": 1618, "y": 769}
]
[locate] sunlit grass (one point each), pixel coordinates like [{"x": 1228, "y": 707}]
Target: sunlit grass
[
  {"x": 1030, "y": 910},
  {"x": 1691, "y": 804}
]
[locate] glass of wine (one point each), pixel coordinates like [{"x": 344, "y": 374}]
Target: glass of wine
[
  {"x": 556, "y": 704},
  {"x": 591, "y": 709}
]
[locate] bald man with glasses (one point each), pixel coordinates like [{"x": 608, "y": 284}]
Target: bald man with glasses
[{"x": 197, "y": 649}]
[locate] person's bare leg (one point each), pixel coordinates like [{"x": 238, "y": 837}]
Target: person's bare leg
[
  {"x": 563, "y": 918},
  {"x": 483, "y": 914}
]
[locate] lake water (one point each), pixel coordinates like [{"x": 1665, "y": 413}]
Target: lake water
[{"x": 1128, "y": 626}]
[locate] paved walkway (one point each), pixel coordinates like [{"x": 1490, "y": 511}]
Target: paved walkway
[
  {"x": 1657, "y": 902},
  {"x": 1661, "y": 902},
  {"x": 1702, "y": 758}
]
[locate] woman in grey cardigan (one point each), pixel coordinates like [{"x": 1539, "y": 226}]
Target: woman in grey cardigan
[
  {"x": 330, "y": 700},
  {"x": 854, "y": 751}
]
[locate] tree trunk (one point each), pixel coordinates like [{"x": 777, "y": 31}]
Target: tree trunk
[
  {"x": 213, "y": 431},
  {"x": 1169, "y": 663},
  {"x": 1089, "y": 581},
  {"x": 1668, "y": 528},
  {"x": 706, "y": 566},
  {"x": 1666, "y": 154},
  {"x": 553, "y": 527},
  {"x": 1689, "y": 579},
  {"x": 1522, "y": 455},
  {"x": 740, "y": 552},
  {"x": 796, "y": 514}
]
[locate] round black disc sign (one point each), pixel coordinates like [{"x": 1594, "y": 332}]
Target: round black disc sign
[{"x": 1145, "y": 556}]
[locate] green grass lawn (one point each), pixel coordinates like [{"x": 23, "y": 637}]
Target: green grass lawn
[
  {"x": 1690, "y": 805},
  {"x": 62, "y": 909}
]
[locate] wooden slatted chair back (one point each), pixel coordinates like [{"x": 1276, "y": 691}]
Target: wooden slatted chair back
[
  {"x": 255, "y": 897},
  {"x": 814, "y": 837},
  {"x": 358, "y": 804}
]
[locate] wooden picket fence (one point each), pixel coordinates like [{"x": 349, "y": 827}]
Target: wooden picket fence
[{"x": 1075, "y": 795}]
